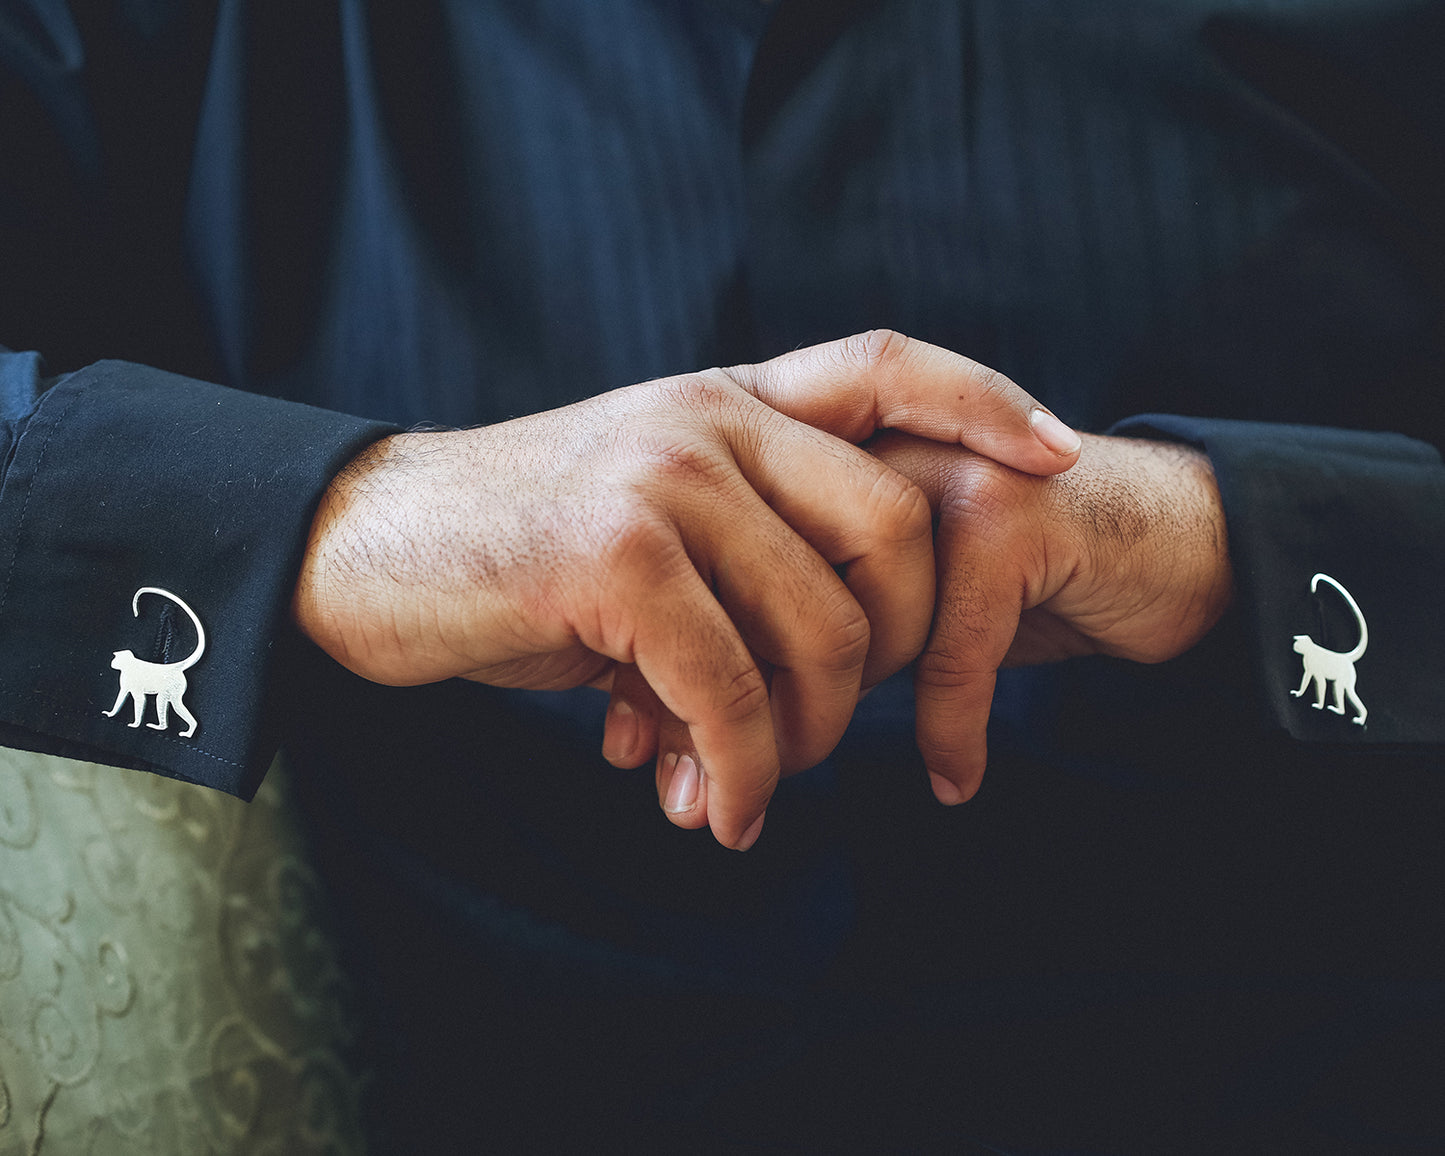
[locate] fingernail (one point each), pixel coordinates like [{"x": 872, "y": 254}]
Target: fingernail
[
  {"x": 682, "y": 791},
  {"x": 619, "y": 737},
  {"x": 1053, "y": 433},
  {"x": 750, "y": 836},
  {"x": 944, "y": 790}
]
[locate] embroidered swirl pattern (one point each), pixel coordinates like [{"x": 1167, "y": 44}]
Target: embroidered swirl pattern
[{"x": 166, "y": 984}]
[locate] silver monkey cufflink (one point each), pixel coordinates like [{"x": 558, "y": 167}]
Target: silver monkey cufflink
[
  {"x": 1322, "y": 666},
  {"x": 165, "y": 680}
]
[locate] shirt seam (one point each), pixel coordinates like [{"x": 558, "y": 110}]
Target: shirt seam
[{"x": 69, "y": 709}]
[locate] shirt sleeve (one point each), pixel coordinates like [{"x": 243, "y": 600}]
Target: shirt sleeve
[
  {"x": 1337, "y": 539},
  {"x": 151, "y": 527}
]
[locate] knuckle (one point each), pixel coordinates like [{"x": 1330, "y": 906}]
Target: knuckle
[
  {"x": 846, "y": 634},
  {"x": 877, "y": 348},
  {"x": 699, "y": 420},
  {"x": 707, "y": 390},
  {"x": 983, "y": 495},
  {"x": 742, "y": 696},
  {"x": 900, "y": 510},
  {"x": 944, "y": 669},
  {"x": 637, "y": 539},
  {"x": 675, "y": 463},
  {"x": 976, "y": 507}
]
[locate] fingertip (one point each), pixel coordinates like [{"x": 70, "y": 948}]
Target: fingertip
[
  {"x": 723, "y": 829},
  {"x": 945, "y": 790},
  {"x": 1029, "y": 439},
  {"x": 620, "y": 735},
  {"x": 740, "y": 772},
  {"x": 684, "y": 779},
  {"x": 950, "y": 793},
  {"x": 682, "y": 791},
  {"x": 750, "y": 836},
  {"x": 955, "y": 755},
  {"x": 1062, "y": 442}
]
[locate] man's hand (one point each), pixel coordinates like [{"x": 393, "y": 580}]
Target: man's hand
[
  {"x": 692, "y": 530},
  {"x": 1126, "y": 554}
]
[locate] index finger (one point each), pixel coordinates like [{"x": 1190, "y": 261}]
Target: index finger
[
  {"x": 980, "y": 596},
  {"x": 854, "y": 387}
]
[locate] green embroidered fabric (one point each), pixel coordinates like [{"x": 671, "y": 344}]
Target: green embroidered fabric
[{"x": 167, "y": 985}]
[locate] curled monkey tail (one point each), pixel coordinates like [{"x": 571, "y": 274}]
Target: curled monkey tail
[
  {"x": 195, "y": 655},
  {"x": 1359, "y": 618}
]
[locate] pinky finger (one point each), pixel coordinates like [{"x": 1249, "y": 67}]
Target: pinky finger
[
  {"x": 638, "y": 726},
  {"x": 629, "y": 735}
]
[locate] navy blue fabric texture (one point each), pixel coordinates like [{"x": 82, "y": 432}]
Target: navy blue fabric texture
[
  {"x": 1187, "y": 912},
  {"x": 123, "y": 477}
]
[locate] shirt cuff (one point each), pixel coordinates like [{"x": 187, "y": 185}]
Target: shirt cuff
[
  {"x": 1337, "y": 539},
  {"x": 151, "y": 529}
]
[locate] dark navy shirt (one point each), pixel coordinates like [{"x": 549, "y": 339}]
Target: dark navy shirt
[{"x": 354, "y": 217}]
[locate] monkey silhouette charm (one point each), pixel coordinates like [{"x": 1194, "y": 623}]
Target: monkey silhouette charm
[
  {"x": 1323, "y": 666},
  {"x": 166, "y": 681}
]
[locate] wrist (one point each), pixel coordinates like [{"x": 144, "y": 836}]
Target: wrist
[
  {"x": 1150, "y": 519},
  {"x": 334, "y": 539}
]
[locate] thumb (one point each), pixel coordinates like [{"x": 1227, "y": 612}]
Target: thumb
[{"x": 854, "y": 387}]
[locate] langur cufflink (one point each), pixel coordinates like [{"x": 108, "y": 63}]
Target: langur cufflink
[
  {"x": 166, "y": 680},
  {"x": 1323, "y": 666}
]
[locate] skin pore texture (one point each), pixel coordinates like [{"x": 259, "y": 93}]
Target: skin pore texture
[{"x": 718, "y": 550}]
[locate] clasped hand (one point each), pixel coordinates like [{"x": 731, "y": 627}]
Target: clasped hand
[{"x": 715, "y": 548}]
